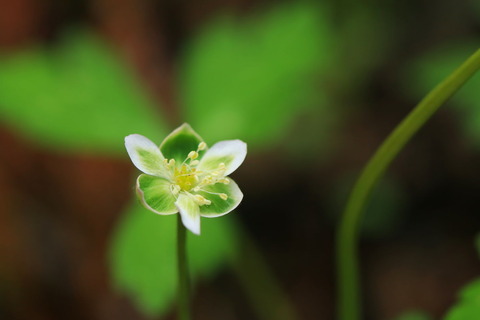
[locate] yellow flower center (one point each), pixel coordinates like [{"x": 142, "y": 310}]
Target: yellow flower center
[{"x": 185, "y": 177}]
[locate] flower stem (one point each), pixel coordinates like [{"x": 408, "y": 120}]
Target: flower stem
[
  {"x": 183, "y": 275},
  {"x": 347, "y": 235}
]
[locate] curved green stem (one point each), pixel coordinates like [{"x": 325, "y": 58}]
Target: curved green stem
[
  {"x": 183, "y": 275},
  {"x": 347, "y": 234}
]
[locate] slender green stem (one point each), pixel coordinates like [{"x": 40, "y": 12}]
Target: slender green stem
[
  {"x": 183, "y": 275},
  {"x": 347, "y": 235}
]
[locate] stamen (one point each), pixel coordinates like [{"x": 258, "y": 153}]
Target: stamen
[
  {"x": 207, "y": 180},
  {"x": 223, "y": 196},
  {"x": 192, "y": 155},
  {"x": 186, "y": 176},
  {"x": 194, "y": 163},
  {"x": 201, "y": 146},
  {"x": 224, "y": 181},
  {"x": 171, "y": 162},
  {"x": 201, "y": 200},
  {"x": 220, "y": 170}
]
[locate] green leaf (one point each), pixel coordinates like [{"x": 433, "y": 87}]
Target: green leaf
[
  {"x": 143, "y": 255},
  {"x": 468, "y": 306},
  {"x": 367, "y": 36},
  {"x": 425, "y": 72},
  {"x": 250, "y": 79},
  {"x": 414, "y": 315},
  {"x": 75, "y": 96}
]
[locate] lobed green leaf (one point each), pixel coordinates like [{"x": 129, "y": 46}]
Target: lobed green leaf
[
  {"x": 143, "y": 255},
  {"x": 75, "y": 96}
]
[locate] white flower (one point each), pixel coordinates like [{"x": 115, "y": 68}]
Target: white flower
[{"x": 183, "y": 175}]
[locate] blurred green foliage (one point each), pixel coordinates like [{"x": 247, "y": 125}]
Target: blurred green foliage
[
  {"x": 414, "y": 315},
  {"x": 250, "y": 79},
  {"x": 427, "y": 70},
  {"x": 144, "y": 255},
  {"x": 246, "y": 80},
  {"x": 468, "y": 306},
  {"x": 75, "y": 97},
  {"x": 365, "y": 41}
]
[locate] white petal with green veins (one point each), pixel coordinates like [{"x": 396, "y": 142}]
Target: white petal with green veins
[
  {"x": 156, "y": 195},
  {"x": 220, "y": 207},
  {"x": 145, "y": 155},
  {"x": 230, "y": 152},
  {"x": 189, "y": 211},
  {"x": 178, "y": 144}
]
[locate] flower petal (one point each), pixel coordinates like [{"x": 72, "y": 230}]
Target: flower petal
[
  {"x": 220, "y": 207},
  {"x": 180, "y": 142},
  {"x": 189, "y": 211},
  {"x": 230, "y": 152},
  {"x": 145, "y": 155},
  {"x": 155, "y": 194}
]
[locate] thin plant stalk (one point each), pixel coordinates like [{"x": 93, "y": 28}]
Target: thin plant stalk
[
  {"x": 183, "y": 273},
  {"x": 349, "y": 298}
]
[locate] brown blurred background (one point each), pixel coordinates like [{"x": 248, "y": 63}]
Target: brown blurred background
[{"x": 59, "y": 209}]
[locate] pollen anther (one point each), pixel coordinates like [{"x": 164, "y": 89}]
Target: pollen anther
[
  {"x": 201, "y": 200},
  {"x": 201, "y": 146},
  {"x": 223, "y": 196},
  {"x": 193, "y": 155},
  {"x": 207, "y": 180}
]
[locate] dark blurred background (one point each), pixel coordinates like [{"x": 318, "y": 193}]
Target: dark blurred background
[{"x": 312, "y": 87}]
